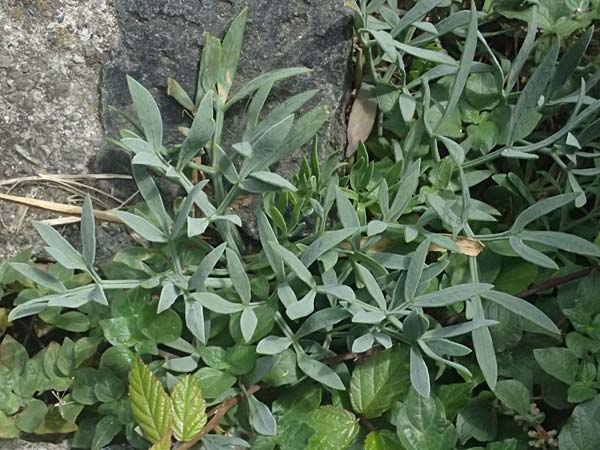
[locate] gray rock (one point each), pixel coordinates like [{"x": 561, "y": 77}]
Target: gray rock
[
  {"x": 18, "y": 444},
  {"x": 63, "y": 62},
  {"x": 50, "y": 61},
  {"x": 163, "y": 39}
]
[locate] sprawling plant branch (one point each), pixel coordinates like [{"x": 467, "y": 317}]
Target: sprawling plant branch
[{"x": 218, "y": 412}]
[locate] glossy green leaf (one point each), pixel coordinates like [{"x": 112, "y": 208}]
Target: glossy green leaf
[
  {"x": 379, "y": 381},
  {"x": 559, "y": 362},
  {"x": 107, "y": 429},
  {"x": 335, "y": 429},
  {"x": 422, "y": 424}
]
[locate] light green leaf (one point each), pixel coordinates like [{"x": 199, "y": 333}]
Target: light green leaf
[
  {"x": 382, "y": 440},
  {"x": 522, "y": 308},
  {"x": 415, "y": 270},
  {"x": 200, "y": 133},
  {"x": 38, "y": 276},
  {"x": 427, "y": 55},
  {"x": 534, "y": 89},
  {"x": 248, "y": 323},
  {"x": 142, "y": 227},
  {"x": 216, "y": 303},
  {"x": 319, "y": 372},
  {"x": 106, "y": 430},
  {"x": 274, "y": 180},
  {"x": 451, "y": 295},
  {"x": 261, "y": 80},
  {"x": 541, "y": 209},
  {"x": 168, "y": 295},
  {"x": 151, "y": 196},
  {"x": 324, "y": 243},
  {"x": 422, "y": 424},
  {"x": 562, "y": 241},
  {"x": 273, "y": 345},
  {"x": 206, "y": 266},
  {"x": 335, "y": 429},
  {"x": 237, "y": 273},
  {"x": 59, "y": 248},
  {"x": 32, "y": 416},
  {"x": 230, "y": 53},
  {"x": 559, "y": 362},
  {"x": 149, "y": 402},
  {"x": 261, "y": 418},
  {"x": 380, "y": 381},
  {"x": 88, "y": 232},
  {"x": 419, "y": 373},
  {"x": 293, "y": 263},
  {"x": 420, "y": 9},
  {"x": 464, "y": 69},
  {"x": 514, "y": 395},
  {"x": 187, "y": 409},
  {"x": 147, "y": 111},
  {"x": 194, "y": 319},
  {"x": 530, "y": 254},
  {"x": 372, "y": 286}
]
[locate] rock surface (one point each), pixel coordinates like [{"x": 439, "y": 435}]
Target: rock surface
[
  {"x": 64, "y": 62},
  {"x": 51, "y": 56},
  {"x": 162, "y": 39}
]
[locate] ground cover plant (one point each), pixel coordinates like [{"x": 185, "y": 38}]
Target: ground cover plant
[{"x": 434, "y": 288}]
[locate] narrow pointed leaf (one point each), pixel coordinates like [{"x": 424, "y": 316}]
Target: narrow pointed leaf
[
  {"x": 522, "y": 308},
  {"x": 147, "y": 111}
]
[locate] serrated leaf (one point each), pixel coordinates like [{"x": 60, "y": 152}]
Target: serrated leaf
[
  {"x": 187, "y": 409},
  {"x": 163, "y": 444},
  {"x": 335, "y": 429},
  {"x": 150, "y": 403}
]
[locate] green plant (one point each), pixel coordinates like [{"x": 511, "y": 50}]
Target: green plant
[{"x": 351, "y": 323}]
